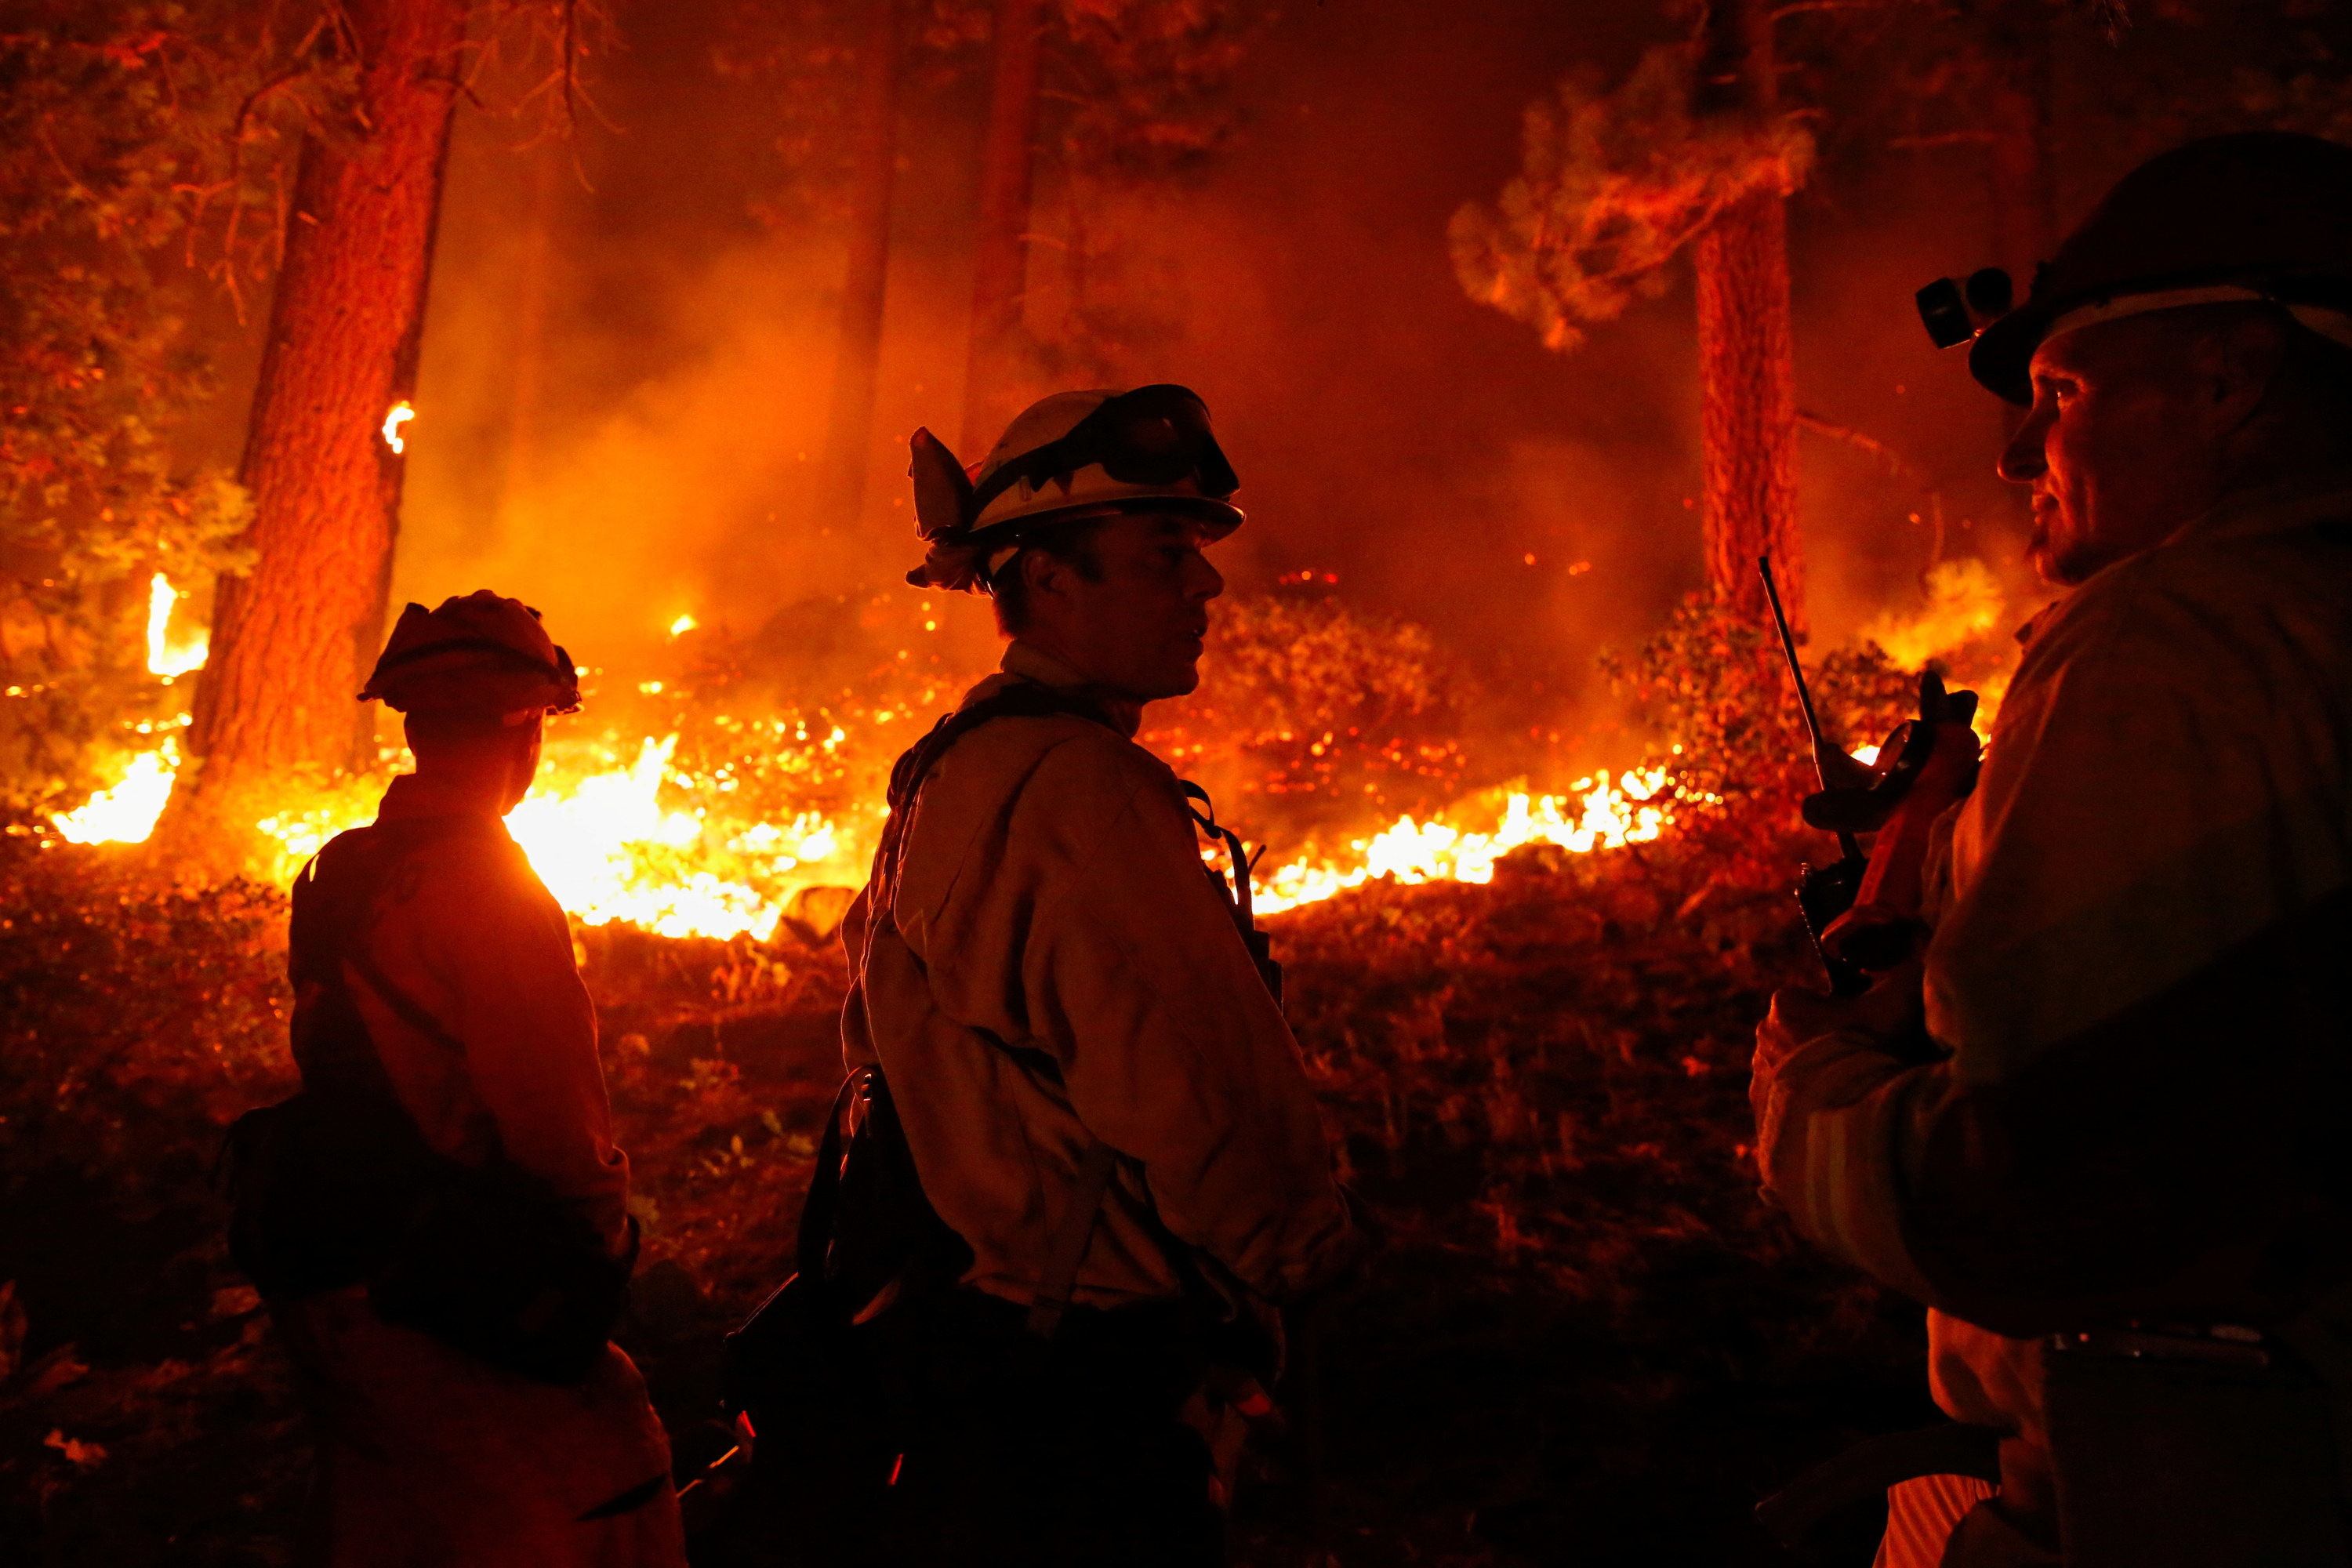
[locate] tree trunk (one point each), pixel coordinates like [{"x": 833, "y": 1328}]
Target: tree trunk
[
  {"x": 1748, "y": 395},
  {"x": 849, "y": 428},
  {"x": 1000, "y": 250},
  {"x": 292, "y": 642}
]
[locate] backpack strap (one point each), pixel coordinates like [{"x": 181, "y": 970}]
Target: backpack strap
[
  {"x": 1237, "y": 896},
  {"x": 1022, "y": 700},
  {"x": 405, "y": 1008},
  {"x": 824, "y": 1186}
]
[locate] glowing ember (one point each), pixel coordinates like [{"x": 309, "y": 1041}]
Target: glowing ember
[
  {"x": 167, "y": 657},
  {"x": 394, "y": 417},
  {"x": 683, "y": 625},
  {"x": 127, "y": 813}
]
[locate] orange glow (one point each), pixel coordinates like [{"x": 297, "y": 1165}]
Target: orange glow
[
  {"x": 399, "y": 414},
  {"x": 126, "y": 813},
  {"x": 618, "y": 834},
  {"x": 1597, "y": 814},
  {"x": 169, "y": 657}
]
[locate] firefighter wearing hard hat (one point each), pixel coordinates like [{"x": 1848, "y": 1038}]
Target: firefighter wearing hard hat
[
  {"x": 1066, "y": 1039},
  {"x": 439, "y": 1219},
  {"x": 2124, "y": 1183}
]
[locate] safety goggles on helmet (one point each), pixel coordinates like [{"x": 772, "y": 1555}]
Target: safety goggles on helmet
[{"x": 1155, "y": 434}]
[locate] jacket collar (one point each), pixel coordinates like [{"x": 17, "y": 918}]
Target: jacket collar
[
  {"x": 413, "y": 796},
  {"x": 1028, "y": 662}
]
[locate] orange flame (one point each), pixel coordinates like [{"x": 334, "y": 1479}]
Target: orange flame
[
  {"x": 167, "y": 656},
  {"x": 398, "y": 415}
]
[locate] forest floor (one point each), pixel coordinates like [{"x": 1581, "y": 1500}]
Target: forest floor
[{"x": 1587, "y": 1342}]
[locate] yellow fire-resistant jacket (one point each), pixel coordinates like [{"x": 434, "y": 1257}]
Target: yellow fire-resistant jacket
[
  {"x": 1058, "y": 968},
  {"x": 2141, "y": 969}
]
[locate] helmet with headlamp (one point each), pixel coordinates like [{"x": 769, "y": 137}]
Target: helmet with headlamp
[
  {"x": 2260, "y": 216},
  {"x": 1067, "y": 458}
]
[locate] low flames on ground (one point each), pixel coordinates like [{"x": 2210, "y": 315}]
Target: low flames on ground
[
  {"x": 1534, "y": 1065},
  {"x": 621, "y": 828}
]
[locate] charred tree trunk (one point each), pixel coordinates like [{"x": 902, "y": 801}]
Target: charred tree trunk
[
  {"x": 292, "y": 642},
  {"x": 849, "y": 430},
  {"x": 1747, "y": 394},
  {"x": 1001, "y": 251}
]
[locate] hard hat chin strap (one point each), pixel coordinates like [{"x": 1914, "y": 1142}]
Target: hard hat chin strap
[{"x": 2334, "y": 325}]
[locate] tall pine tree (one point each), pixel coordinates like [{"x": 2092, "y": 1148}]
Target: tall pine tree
[{"x": 292, "y": 638}]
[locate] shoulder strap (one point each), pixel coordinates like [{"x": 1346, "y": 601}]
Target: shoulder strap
[
  {"x": 1260, "y": 945},
  {"x": 824, "y": 1186},
  {"x": 335, "y": 910},
  {"x": 405, "y": 1008},
  {"x": 1021, "y": 699},
  {"x": 1025, "y": 698}
]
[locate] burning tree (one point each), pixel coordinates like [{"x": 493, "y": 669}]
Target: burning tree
[
  {"x": 1693, "y": 149},
  {"x": 323, "y": 458},
  {"x": 324, "y": 446}
]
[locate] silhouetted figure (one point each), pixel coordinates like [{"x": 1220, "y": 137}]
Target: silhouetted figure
[{"x": 439, "y": 1219}]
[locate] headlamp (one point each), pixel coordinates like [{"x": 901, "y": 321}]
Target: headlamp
[{"x": 1955, "y": 312}]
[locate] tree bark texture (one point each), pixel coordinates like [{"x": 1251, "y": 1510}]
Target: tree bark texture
[
  {"x": 1001, "y": 249},
  {"x": 849, "y": 425},
  {"x": 1748, "y": 407},
  {"x": 1748, "y": 398},
  {"x": 292, "y": 642}
]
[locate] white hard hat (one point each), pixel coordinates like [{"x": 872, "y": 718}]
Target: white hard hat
[{"x": 1073, "y": 454}]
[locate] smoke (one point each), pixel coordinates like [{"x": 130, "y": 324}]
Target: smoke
[{"x": 623, "y": 390}]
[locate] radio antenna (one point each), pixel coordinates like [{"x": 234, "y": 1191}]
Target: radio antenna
[{"x": 1804, "y": 696}]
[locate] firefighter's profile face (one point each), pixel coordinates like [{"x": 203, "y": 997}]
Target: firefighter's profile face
[
  {"x": 2123, "y": 442},
  {"x": 1137, "y": 625}
]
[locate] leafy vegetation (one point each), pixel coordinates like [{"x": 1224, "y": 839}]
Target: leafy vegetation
[
  {"x": 140, "y": 171},
  {"x": 1586, "y": 1326}
]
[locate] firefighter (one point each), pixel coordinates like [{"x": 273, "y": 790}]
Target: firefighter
[
  {"x": 439, "y": 1219},
  {"x": 1102, "y": 1100},
  {"x": 2124, "y": 1183}
]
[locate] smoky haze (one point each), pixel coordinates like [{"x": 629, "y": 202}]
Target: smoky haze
[{"x": 624, "y": 393}]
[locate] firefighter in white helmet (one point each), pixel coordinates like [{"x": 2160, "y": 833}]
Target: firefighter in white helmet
[
  {"x": 439, "y": 1219},
  {"x": 1122, "y": 1171},
  {"x": 2124, "y": 1182}
]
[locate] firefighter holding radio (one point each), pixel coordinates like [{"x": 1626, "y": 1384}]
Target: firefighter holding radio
[{"x": 2123, "y": 1183}]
